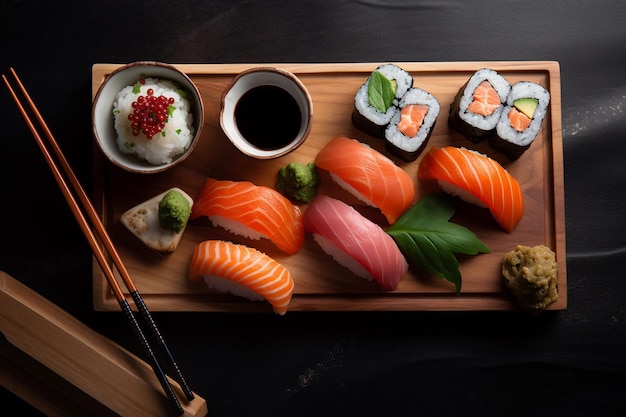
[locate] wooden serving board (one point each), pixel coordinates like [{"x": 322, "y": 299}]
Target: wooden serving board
[
  {"x": 320, "y": 283},
  {"x": 63, "y": 368}
]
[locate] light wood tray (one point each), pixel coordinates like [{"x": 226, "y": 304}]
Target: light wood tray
[
  {"x": 63, "y": 368},
  {"x": 322, "y": 284}
]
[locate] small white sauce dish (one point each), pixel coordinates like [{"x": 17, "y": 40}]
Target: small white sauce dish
[{"x": 250, "y": 79}]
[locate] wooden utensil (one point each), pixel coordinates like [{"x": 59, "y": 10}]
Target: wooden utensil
[{"x": 79, "y": 360}]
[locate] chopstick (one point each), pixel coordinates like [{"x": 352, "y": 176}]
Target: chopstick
[{"x": 97, "y": 249}]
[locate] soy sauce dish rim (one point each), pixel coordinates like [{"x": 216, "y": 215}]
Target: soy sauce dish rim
[
  {"x": 255, "y": 77},
  {"x": 102, "y": 114}
]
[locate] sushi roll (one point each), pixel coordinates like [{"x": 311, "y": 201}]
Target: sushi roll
[
  {"x": 376, "y": 101},
  {"x": 410, "y": 128},
  {"x": 478, "y": 105},
  {"x": 521, "y": 119}
]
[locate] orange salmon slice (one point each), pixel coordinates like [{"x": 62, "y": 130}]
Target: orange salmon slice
[
  {"x": 254, "y": 274},
  {"x": 519, "y": 121},
  {"x": 486, "y": 100},
  {"x": 411, "y": 118}
]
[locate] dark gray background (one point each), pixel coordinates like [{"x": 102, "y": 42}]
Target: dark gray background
[{"x": 371, "y": 364}]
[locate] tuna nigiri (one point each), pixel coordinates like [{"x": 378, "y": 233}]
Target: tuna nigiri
[
  {"x": 251, "y": 210},
  {"x": 369, "y": 175},
  {"x": 478, "y": 179},
  {"x": 242, "y": 271},
  {"x": 355, "y": 241}
]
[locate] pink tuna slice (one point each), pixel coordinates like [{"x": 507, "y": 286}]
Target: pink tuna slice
[{"x": 355, "y": 241}]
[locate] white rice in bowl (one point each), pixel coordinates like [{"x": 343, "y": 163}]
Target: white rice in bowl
[{"x": 172, "y": 141}]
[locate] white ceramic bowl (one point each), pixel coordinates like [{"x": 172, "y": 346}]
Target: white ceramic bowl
[
  {"x": 102, "y": 112},
  {"x": 264, "y": 76}
]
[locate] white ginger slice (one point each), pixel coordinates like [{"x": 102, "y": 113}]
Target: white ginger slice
[{"x": 143, "y": 221}]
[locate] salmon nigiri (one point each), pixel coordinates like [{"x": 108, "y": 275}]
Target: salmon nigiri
[
  {"x": 369, "y": 175},
  {"x": 355, "y": 241},
  {"x": 254, "y": 211},
  {"x": 478, "y": 179},
  {"x": 242, "y": 271}
]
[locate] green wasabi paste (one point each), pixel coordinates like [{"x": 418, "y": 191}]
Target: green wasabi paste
[
  {"x": 174, "y": 211},
  {"x": 298, "y": 181}
]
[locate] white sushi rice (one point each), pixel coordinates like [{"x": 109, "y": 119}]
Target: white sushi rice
[
  {"x": 343, "y": 184},
  {"x": 221, "y": 284},
  {"x": 363, "y": 106},
  {"x": 411, "y": 144},
  {"x": 523, "y": 89},
  {"x": 178, "y": 131},
  {"x": 502, "y": 87},
  {"x": 403, "y": 79},
  {"x": 461, "y": 193},
  {"x": 341, "y": 257},
  {"x": 235, "y": 227}
]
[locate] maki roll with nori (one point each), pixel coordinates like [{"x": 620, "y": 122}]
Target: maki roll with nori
[
  {"x": 376, "y": 100},
  {"x": 410, "y": 128},
  {"x": 521, "y": 119},
  {"x": 478, "y": 105}
]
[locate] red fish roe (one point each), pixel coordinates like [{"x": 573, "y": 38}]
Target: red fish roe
[{"x": 149, "y": 114}]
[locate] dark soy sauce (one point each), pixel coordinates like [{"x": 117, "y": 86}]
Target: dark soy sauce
[{"x": 268, "y": 117}]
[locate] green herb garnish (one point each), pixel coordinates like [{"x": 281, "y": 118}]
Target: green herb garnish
[
  {"x": 380, "y": 91},
  {"x": 137, "y": 88},
  {"x": 170, "y": 110},
  {"x": 182, "y": 93},
  {"x": 430, "y": 241},
  {"x": 116, "y": 111},
  {"x": 178, "y": 131},
  {"x": 129, "y": 145}
]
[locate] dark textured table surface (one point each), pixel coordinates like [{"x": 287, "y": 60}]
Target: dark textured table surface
[{"x": 568, "y": 362}]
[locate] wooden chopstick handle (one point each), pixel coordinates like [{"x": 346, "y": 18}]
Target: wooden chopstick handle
[
  {"x": 154, "y": 363},
  {"x": 147, "y": 317}
]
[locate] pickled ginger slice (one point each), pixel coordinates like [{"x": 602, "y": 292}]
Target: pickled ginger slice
[
  {"x": 242, "y": 271},
  {"x": 142, "y": 221},
  {"x": 355, "y": 241}
]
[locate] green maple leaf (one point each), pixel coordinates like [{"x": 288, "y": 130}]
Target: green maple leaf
[{"x": 429, "y": 240}]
